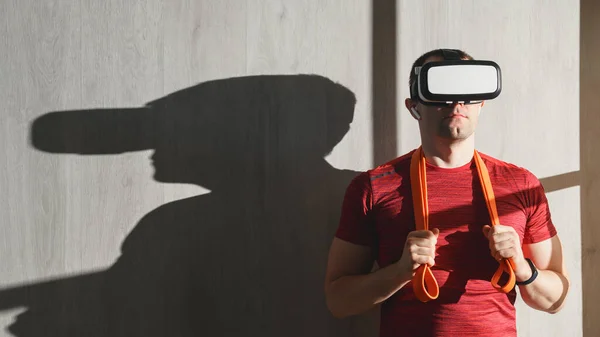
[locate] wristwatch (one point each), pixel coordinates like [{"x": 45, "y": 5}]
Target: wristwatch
[{"x": 534, "y": 274}]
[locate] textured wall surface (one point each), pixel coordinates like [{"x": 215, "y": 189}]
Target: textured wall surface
[
  {"x": 590, "y": 164},
  {"x": 175, "y": 168},
  {"x": 119, "y": 117}
]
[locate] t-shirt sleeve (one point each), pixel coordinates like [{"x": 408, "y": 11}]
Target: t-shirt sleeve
[
  {"x": 356, "y": 225},
  {"x": 539, "y": 220}
]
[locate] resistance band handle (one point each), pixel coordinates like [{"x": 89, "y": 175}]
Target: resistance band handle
[
  {"x": 425, "y": 285},
  {"x": 506, "y": 266}
]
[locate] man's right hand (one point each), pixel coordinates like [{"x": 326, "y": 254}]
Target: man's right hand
[
  {"x": 419, "y": 249},
  {"x": 351, "y": 287}
]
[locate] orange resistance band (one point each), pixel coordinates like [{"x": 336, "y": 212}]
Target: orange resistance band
[{"x": 424, "y": 283}]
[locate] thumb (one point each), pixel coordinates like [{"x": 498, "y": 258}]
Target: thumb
[
  {"x": 436, "y": 232},
  {"x": 486, "y": 230}
]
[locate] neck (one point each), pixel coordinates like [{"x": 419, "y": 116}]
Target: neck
[{"x": 448, "y": 153}]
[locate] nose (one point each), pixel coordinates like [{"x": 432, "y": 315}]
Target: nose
[{"x": 452, "y": 106}]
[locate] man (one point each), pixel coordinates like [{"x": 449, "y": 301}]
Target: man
[{"x": 462, "y": 249}]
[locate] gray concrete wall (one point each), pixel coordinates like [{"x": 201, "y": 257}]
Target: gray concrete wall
[
  {"x": 590, "y": 163},
  {"x": 176, "y": 167},
  {"x": 120, "y": 117}
]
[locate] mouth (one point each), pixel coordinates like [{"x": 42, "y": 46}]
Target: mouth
[{"x": 455, "y": 116}]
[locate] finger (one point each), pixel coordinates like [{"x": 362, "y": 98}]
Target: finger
[
  {"x": 497, "y": 256},
  {"x": 505, "y": 254},
  {"x": 494, "y": 253},
  {"x": 492, "y": 244},
  {"x": 436, "y": 232},
  {"x": 502, "y": 228},
  {"x": 422, "y": 259},
  {"x": 422, "y": 234},
  {"x": 421, "y": 243},
  {"x": 486, "y": 230},
  {"x": 496, "y": 246},
  {"x": 506, "y": 244},
  {"x": 419, "y": 250},
  {"x": 504, "y": 236}
]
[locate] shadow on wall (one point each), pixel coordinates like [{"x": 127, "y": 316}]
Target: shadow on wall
[{"x": 247, "y": 259}]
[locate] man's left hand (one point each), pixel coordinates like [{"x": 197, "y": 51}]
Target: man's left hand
[{"x": 505, "y": 244}]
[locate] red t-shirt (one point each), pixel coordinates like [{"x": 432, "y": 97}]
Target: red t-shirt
[{"x": 378, "y": 212}]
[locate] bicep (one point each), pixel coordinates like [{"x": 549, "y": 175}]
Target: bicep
[
  {"x": 346, "y": 258},
  {"x": 547, "y": 254}
]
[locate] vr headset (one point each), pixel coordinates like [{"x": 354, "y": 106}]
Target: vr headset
[{"x": 443, "y": 83}]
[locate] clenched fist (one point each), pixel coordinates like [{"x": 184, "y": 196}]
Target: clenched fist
[
  {"x": 505, "y": 244},
  {"x": 419, "y": 249}
]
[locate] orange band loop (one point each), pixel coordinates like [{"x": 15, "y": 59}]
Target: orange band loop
[{"x": 425, "y": 285}]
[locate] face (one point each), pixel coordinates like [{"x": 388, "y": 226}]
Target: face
[{"x": 453, "y": 122}]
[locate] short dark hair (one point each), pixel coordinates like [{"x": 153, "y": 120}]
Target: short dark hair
[{"x": 434, "y": 53}]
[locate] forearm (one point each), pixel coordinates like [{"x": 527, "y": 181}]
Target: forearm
[
  {"x": 355, "y": 294},
  {"x": 547, "y": 293}
]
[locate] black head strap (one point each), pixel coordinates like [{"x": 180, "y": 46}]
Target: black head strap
[{"x": 451, "y": 54}]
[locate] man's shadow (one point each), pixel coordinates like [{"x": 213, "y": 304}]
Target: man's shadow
[{"x": 247, "y": 259}]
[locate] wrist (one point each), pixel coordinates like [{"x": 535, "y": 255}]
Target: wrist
[
  {"x": 403, "y": 272},
  {"x": 527, "y": 276},
  {"x": 522, "y": 270}
]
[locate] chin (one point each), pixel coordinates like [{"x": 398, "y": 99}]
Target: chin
[
  {"x": 455, "y": 134},
  {"x": 160, "y": 178}
]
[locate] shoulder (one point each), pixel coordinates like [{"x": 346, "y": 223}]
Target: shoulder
[
  {"x": 392, "y": 172},
  {"x": 396, "y": 166},
  {"x": 383, "y": 178},
  {"x": 501, "y": 169}
]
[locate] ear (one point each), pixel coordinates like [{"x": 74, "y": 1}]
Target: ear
[
  {"x": 408, "y": 103},
  {"x": 482, "y": 103},
  {"x": 412, "y": 108}
]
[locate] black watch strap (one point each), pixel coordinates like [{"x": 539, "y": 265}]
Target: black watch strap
[{"x": 534, "y": 274}]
